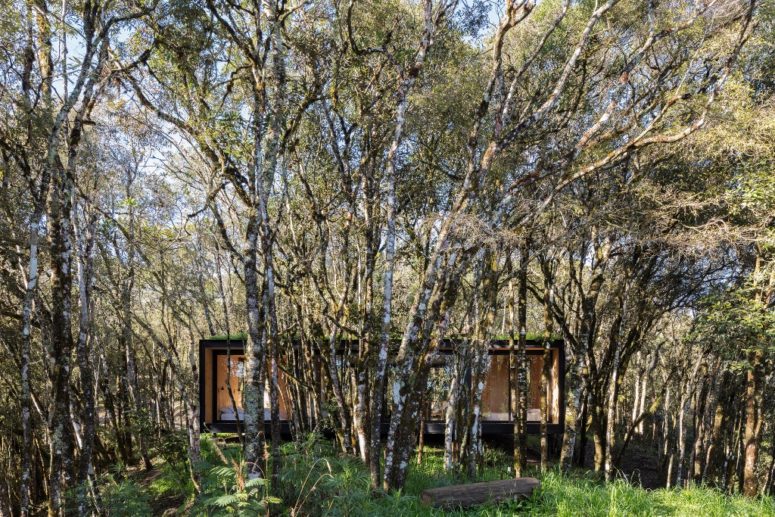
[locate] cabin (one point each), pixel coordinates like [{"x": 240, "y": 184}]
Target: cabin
[
  {"x": 221, "y": 382},
  {"x": 222, "y": 367}
]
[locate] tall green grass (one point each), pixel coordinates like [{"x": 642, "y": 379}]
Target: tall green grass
[{"x": 341, "y": 488}]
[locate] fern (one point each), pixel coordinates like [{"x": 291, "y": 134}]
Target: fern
[{"x": 241, "y": 495}]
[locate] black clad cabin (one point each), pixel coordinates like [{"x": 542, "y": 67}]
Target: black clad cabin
[{"x": 221, "y": 363}]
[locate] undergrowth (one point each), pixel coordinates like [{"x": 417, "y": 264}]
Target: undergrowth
[{"x": 317, "y": 480}]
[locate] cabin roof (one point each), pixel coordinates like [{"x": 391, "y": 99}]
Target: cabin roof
[{"x": 498, "y": 343}]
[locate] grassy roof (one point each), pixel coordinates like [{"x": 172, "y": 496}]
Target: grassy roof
[{"x": 239, "y": 336}]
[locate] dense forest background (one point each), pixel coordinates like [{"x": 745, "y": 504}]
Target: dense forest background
[{"x": 392, "y": 172}]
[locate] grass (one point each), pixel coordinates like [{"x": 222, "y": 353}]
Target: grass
[{"x": 315, "y": 480}]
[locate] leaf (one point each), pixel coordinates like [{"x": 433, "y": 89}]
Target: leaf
[{"x": 224, "y": 500}]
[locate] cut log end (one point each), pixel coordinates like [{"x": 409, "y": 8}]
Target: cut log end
[{"x": 473, "y": 494}]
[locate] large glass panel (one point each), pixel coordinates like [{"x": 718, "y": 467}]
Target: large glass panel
[
  {"x": 495, "y": 398},
  {"x": 535, "y": 373},
  {"x": 230, "y": 373},
  {"x": 439, "y": 379}
]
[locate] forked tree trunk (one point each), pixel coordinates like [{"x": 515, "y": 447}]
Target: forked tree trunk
[
  {"x": 473, "y": 451},
  {"x": 485, "y": 306},
  {"x": 61, "y": 470}
]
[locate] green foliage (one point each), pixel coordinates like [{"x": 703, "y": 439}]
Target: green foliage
[
  {"x": 736, "y": 321},
  {"x": 172, "y": 448},
  {"x": 226, "y": 488},
  {"x": 240, "y": 496},
  {"x": 174, "y": 479},
  {"x": 127, "y": 498}
]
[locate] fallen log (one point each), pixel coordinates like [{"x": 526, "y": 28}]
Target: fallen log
[{"x": 473, "y": 494}]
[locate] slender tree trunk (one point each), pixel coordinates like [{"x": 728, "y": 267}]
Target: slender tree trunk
[
  {"x": 574, "y": 417},
  {"x": 752, "y": 424},
  {"x": 518, "y": 368},
  {"x": 409, "y": 77},
  {"x": 769, "y": 487},
  {"x": 86, "y": 280},
  {"x": 636, "y": 385},
  {"x": 138, "y": 410},
  {"x": 35, "y": 229},
  {"x": 473, "y": 452},
  {"x": 192, "y": 419},
  {"x": 582, "y": 423},
  {"x": 599, "y": 432},
  {"x": 378, "y": 386},
  {"x": 485, "y": 306},
  {"x": 698, "y": 452},
  {"x": 546, "y": 378},
  {"x": 421, "y": 435},
  {"x": 450, "y": 421},
  {"x": 683, "y": 409},
  {"x": 610, "y": 432},
  {"x": 61, "y": 471},
  {"x": 644, "y": 389},
  {"x": 344, "y": 427},
  {"x": 255, "y": 354}
]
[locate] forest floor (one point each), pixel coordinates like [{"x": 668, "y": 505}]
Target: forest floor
[{"x": 315, "y": 480}]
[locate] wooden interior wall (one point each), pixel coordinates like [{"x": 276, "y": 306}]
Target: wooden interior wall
[
  {"x": 222, "y": 373},
  {"x": 223, "y": 400}
]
